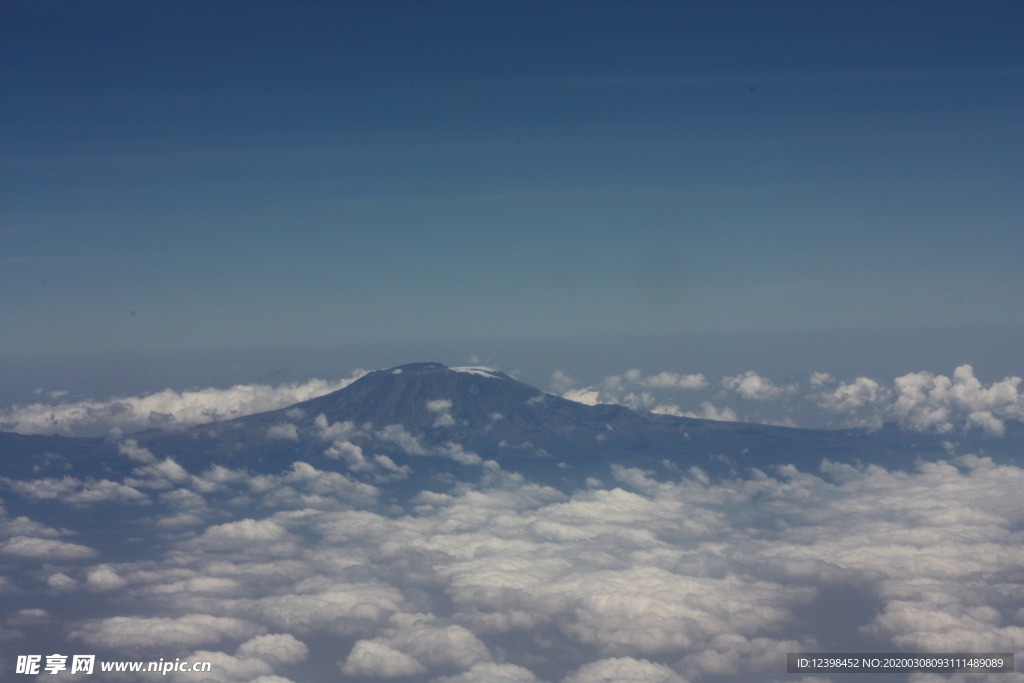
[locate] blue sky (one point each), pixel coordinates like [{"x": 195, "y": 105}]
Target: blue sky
[{"x": 182, "y": 176}]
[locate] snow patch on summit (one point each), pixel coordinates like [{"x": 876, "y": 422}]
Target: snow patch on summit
[{"x": 480, "y": 370}]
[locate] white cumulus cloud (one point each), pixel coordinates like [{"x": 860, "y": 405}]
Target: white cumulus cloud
[
  {"x": 754, "y": 387},
  {"x": 441, "y": 407},
  {"x": 624, "y": 670},
  {"x": 44, "y": 549},
  {"x": 928, "y": 402},
  {"x": 374, "y": 659},
  {"x": 137, "y": 632}
]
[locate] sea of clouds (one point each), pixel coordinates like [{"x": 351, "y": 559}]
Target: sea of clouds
[
  {"x": 312, "y": 575},
  {"x": 308, "y": 575}
]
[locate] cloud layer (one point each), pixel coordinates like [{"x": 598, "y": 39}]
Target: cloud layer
[
  {"x": 357, "y": 568},
  {"x": 166, "y": 408},
  {"x": 649, "y": 576},
  {"x": 918, "y": 401}
]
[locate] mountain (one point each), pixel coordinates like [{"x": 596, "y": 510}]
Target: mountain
[{"x": 426, "y": 419}]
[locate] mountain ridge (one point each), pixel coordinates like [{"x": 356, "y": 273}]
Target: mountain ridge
[{"x": 427, "y": 416}]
